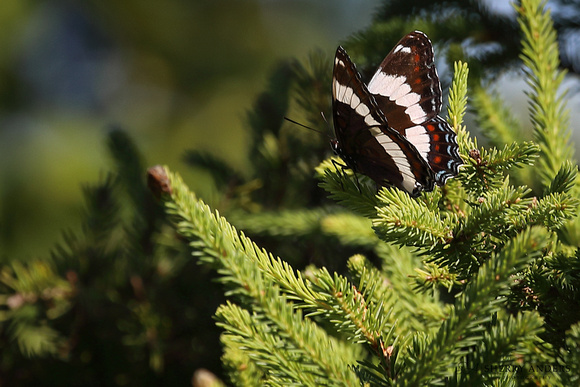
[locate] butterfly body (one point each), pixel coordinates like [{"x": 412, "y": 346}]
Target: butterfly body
[{"x": 391, "y": 130}]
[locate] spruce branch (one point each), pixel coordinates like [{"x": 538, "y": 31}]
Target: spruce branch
[
  {"x": 565, "y": 179},
  {"x": 434, "y": 276},
  {"x": 252, "y": 335},
  {"x": 421, "y": 310},
  {"x": 355, "y": 194},
  {"x": 348, "y": 307},
  {"x": 552, "y": 286},
  {"x": 476, "y": 235},
  {"x": 34, "y": 278},
  {"x": 249, "y": 272},
  {"x": 500, "y": 127},
  {"x": 484, "y": 169},
  {"x": 548, "y": 109},
  {"x": 370, "y": 278},
  {"x": 246, "y": 269},
  {"x": 430, "y": 356},
  {"x": 503, "y": 343},
  {"x": 129, "y": 165},
  {"x": 564, "y": 273},
  {"x": 405, "y": 221},
  {"x": 305, "y": 344},
  {"x": 418, "y": 311},
  {"x": 496, "y": 211},
  {"x": 332, "y": 297},
  {"x": 242, "y": 370},
  {"x": 268, "y": 111},
  {"x": 570, "y": 356},
  {"x": 553, "y": 211},
  {"x": 497, "y": 216},
  {"x": 36, "y": 294},
  {"x": 33, "y": 339},
  {"x": 458, "y": 105}
]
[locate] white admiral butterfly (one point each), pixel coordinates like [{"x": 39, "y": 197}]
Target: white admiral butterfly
[{"x": 391, "y": 131}]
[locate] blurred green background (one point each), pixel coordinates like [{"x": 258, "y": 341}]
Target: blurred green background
[{"x": 176, "y": 75}]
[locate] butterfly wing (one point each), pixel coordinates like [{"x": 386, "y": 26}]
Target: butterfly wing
[
  {"x": 407, "y": 89},
  {"x": 365, "y": 141}
]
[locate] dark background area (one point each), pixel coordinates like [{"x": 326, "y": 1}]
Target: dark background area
[{"x": 176, "y": 75}]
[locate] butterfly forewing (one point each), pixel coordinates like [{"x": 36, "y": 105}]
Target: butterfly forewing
[
  {"x": 407, "y": 90},
  {"x": 365, "y": 141}
]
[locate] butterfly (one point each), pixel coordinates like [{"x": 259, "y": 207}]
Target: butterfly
[{"x": 391, "y": 130}]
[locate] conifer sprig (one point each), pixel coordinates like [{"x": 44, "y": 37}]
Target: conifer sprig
[
  {"x": 565, "y": 178},
  {"x": 464, "y": 326},
  {"x": 495, "y": 211},
  {"x": 403, "y": 220},
  {"x": 36, "y": 289},
  {"x": 249, "y": 273},
  {"x": 243, "y": 371},
  {"x": 420, "y": 312},
  {"x": 458, "y": 105},
  {"x": 540, "y": 54},
  {"x": 485, "y": 169},
  {"x": 351, "y": 191},
  {"x": 571, "y": 355},
  {"x": 548, "y": 109},
  {"x": 496, "y": 216},
  {"x": 501, "y": 343},
  {"x": 305, "y": 343}
]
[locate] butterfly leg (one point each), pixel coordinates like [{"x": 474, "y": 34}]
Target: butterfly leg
[
  {"x": 357, "y": 183},
  {"x": 340, "y": 169}
]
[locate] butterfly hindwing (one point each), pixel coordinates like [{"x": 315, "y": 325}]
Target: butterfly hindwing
[
  {"x": 406, "y": 85},
  {"x": 407, "y": 90},
  {"x": 365, "y": 141}
]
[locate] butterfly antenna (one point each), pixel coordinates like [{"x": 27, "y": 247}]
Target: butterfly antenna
[{"x": 304, "y": 126}]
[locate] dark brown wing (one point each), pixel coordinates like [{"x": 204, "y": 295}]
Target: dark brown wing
[
  {"x": 408, "y": 92},
  {"x": 364, "y": 140}
]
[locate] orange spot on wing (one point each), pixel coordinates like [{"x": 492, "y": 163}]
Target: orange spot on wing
[
  {"x": 437, "y": 159},
  {"x": 418, "y": 80}
]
